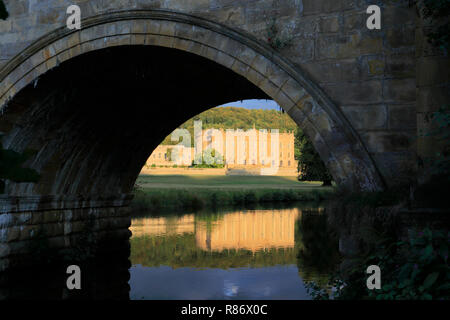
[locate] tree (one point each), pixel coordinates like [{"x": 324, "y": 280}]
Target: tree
[
  {"x": 210, "y": 158},
  {"x": 11, "y": 167},
  {"x": 3, "y": 13},
  {"x": 310, "y": 166},
  {"x": 238, "y": 118}
]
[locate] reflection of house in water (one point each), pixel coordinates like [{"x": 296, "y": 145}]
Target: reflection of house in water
[
  {"x": 249, "y": 152},
  {"x": 163, "y": 226},
  {"x": 250, "y": 230}
]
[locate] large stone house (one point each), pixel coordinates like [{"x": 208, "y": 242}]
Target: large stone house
[{"x": 242, "y": 152}]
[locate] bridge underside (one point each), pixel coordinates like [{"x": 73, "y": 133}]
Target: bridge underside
[{"x": 93, "y": 122}]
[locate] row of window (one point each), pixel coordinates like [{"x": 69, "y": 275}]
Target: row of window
[
  {"x": 245, "y": 161},
  {"x": 165, "y": 155}
]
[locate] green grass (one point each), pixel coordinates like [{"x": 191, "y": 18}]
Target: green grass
[
  {"x": 197, "y": 192},
  {"x": 211, "y": 181}
]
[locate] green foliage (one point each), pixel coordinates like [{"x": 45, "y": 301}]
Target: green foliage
[
  {"x": 11, "y": 167},
  {"x": 181, "y": 251},
  {"x": 197, "y": 198},
  {"x": 238, "y": 118},
  {"x": 245, "y": 119},
  {"x": 310, "y": 166},
  {"x": 415, "y": 268},
  {"x": 274, "y": 38},
  {"x": 3, "y": 12},
  {"x": 209, "y": 158},
  {"x": 440, "y": 164},
  {"x": 434, "y": 191},
  {"x": 421, "y": 272},
  {"x": 438, "y": 12}
]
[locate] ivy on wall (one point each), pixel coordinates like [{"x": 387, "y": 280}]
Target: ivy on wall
[
  {"x": 11, "y": 167},
  {"x": 437, "y": 12},
  {"x": 11, "y": 161},
  {"x": 274, "y": 37}
]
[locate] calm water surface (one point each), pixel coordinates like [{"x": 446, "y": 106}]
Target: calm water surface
[
  {"x": 265, "y": 253},
  {"x": 249, "y": 254}
]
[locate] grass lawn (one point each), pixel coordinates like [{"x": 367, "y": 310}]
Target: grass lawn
[
  {"x": 155, "y": 192},
  {"x": 223, "y": 182}
]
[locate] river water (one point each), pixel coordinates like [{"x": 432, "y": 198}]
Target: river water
[
  {"x": 259, "y": 253},
  {"x": 263, "y": 253}
]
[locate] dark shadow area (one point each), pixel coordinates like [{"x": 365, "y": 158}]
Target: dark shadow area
[
  {"x": 102, "y": 113},
  {"x": 101, "y": 279}
]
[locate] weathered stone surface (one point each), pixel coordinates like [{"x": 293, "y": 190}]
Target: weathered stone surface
[
  {"x": 433, "y": 71},
  {"x": 356, "y": 93},
  {"x": 400, "y": 90},
  {"x": 329, "y": 24},
  {"x": 401, "y": 37},
  {"x": 367, "y": 118},
  {"x": 379, "y": 141},
  {"x": 327, "y": 6},
  {"x": 432, "y": 98},
  {"x": 400, "y": 65},
  {"x": 361, "y": 79},
  {"x": 403, "y": 117}
]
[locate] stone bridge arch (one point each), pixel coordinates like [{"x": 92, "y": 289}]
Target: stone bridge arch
[
  {"x": 332, "y": 135},
  {"x": 62, "y": 201}
]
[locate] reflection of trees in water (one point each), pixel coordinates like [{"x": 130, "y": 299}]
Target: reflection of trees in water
[
  {"x": 180, "y": 251},
  {"x": 318, "y": 255}
]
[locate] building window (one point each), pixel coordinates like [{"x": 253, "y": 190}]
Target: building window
[
  {"x": 281, "y": 163},
  {"x": 289, "y": 163}
]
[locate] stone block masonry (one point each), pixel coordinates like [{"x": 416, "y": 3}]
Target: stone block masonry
[{"x": 352, "y": 90}]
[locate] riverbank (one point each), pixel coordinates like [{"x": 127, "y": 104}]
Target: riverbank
[
  {"x": 196, "y": 192},
  {"x": 409, "y": 245},
  {"x": 237, "y": 170}
]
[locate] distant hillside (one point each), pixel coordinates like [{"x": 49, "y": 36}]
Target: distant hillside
[
  {"x": 239, "y": 118},
  {"x": 309, "y": 160}
]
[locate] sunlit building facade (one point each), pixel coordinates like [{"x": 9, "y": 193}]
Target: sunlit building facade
[{"x": 239, "y": 151}]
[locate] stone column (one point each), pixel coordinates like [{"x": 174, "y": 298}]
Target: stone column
[{"x": 433, "y": 92}]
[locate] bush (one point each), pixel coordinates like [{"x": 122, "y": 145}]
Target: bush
[
  {"x": 415, "y": 268},
  {"x": 156, "y": 199}
]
